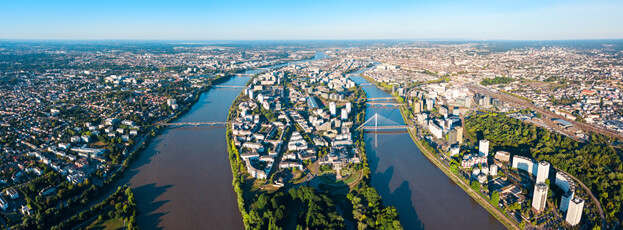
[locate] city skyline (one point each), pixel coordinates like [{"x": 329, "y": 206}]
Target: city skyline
[{"x": 324, "y": 20}]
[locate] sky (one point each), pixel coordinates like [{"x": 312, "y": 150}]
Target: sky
[{"x": 311, "y": 19}]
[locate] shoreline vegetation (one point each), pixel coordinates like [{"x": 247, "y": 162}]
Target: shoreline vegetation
[{"x": 325, "y": 209}]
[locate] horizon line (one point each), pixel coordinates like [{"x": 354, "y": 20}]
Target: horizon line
[{"x": 309, "y": 40}]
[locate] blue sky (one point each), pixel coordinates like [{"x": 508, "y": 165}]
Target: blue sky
[{"x": 310, "y": 20}]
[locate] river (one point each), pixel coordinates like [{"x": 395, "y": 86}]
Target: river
[
  {"x": 183, "y": 179},
  {"x": 424, "y": 196}
]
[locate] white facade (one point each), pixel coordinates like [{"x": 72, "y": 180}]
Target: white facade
[
  {"x": 483, "y": 148},
  {"x": 435, "y": 129},
  {"x": 493, "y": 170},
  {"x": 574, "y": 215},
  {"x": 344, "y": 114},
  {"x": 540, "y": 196},
  {"x": 564, "y": 181},
  {"x": 349, "y": 107},
  {"x": 524, "y": 163},
  {"x": 332, "y": 108},
  {"x": 542, "y": 172}
]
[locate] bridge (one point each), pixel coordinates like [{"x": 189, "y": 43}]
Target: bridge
[
  {"x": 379, "y": 122},
  {"x": 380, "y": 98},
  {"x": 366, "y": 84},
  {"x": 229, "y": 86},
  {"x": 212, "y": 123},
  {"x": 244, "y": 75},
  {"x": 384, "y": 104}
]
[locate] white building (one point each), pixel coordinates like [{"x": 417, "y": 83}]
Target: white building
[
  {"x": 574, "y": 215},
  {"x": 524, "y": 163},
  {"x": 493, "y": 170},
  {"x": 483, "y": 148},
  {"x": 332, "y": 108},
  {"x": 344, "y": 114},
  {"x": 540, "y": 196},
  {"x": 435, "y": 129},
  {"x": 542, "y": 172},
  {"x": 3, "y": 204},
  {"x": 349, "y": 107}
]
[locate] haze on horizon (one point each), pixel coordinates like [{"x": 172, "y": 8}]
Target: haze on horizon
[{"x": 311, "y": 20}]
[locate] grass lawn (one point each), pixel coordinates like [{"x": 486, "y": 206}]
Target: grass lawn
[
  {"x": 352, "y": 178},
  {"x": 114, "y": 223}
]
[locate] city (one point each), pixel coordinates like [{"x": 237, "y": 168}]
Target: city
[{"x": 324, "y": 115}]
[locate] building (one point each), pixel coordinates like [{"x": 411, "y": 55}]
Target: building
[
  {"x": 349, "y": 107},
  {"x": 542, "y": 172},
  {"x": 435, "y": 129},
  {"x": 503, "y": 156},
  {"x": 453, "y": 137},
  {"x": 332, "y": 108},
  {"x": 11, "y": 192},
  {"x": 564, "y": 201},
  {"x": 3, "y": 204},
  {"x": 539, "y": 198},
  {"x": 459, "y": 134},
  {"x": 483, "y": 148},
  {"x": 574, "y": 215},
  {"x": 564, "y": 181},
  {"x": 344, "y": 114},
  {"x": 493, "y": 170},
  {"x": 524, "y": 163}
]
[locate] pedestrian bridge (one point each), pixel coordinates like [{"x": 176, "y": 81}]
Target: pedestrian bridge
[
  {"x": 383, "y": 104},
  {"x": 379, "y": 122},
  {"x": 212, "y": 123},
  {"x": 229, "y": 86}
]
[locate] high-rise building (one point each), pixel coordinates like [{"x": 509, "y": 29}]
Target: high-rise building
[
  {"x": 344, "y": 114},
  {"x": 574, "y": 214},
  {"x": 542, "y": 172},
  {"x": 540, "y": 197},
  {"x": 483, "y": 148},
  {"x": 332, "y": 108},
  {"x": 452, "y": 137},
  {"x": 417, "y": 106},
  {"x": 459, "y": 134},
  {"x": 566, "y": 198},
  {"x": 349, "y": 107}
]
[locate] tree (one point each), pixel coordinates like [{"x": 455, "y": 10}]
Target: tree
[
  {"x": 475, "y": 186},
  {"x": 495, "y": 198}
]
